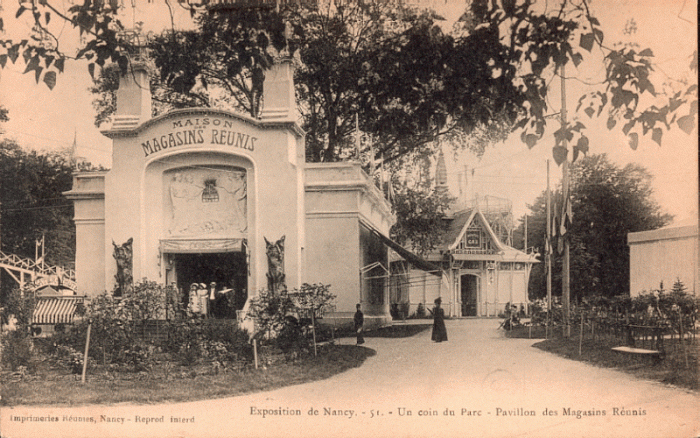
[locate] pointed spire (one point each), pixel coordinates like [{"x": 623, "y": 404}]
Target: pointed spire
[
  {"x": 441, "y": 173},
  {"x": 74, "y": 150}
]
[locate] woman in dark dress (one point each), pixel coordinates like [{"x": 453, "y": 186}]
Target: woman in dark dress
[
  {"x": 439, "y": 330},
  {"x": 359, "y": 321}
]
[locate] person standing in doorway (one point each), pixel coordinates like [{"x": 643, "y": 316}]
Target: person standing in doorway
[
  {"x": 213, "y": 300},
  {"x": 359, "y": 321},
  {"x": 203, "y": 297},
  {"x": 439, "y": 330},
  {"x": 193, "y": 300}
]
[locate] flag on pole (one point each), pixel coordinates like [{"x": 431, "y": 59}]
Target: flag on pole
[
  {"x": 555, "y": 242},
  {"x": 565, "y": 216},
  {"x": 561, "y": 220},
  {"x": 39, "y": 245}
]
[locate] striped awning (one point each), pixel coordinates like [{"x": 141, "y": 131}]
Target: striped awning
[{"x": 57, "y": 310}]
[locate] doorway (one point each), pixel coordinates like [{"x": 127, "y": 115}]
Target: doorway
[
  {"x": 228, "y": 270},
  {"x": 469, "y": 294}
]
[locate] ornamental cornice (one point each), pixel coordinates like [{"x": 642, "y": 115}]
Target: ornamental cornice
[{"x": 131, "y": 126}]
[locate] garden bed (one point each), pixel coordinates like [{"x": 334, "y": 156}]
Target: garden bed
[
  {"x": 527, "y": 332},
  {"x": 167, "y": 379},
  {"x": 679, "y": 367},
  {"x": 170, "y": 382}
]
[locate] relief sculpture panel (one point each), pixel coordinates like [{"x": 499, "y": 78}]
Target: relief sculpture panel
[{"x": 206, "y": 202}]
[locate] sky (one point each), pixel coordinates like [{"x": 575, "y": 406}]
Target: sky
[
  {"x": 512, "y": 171},
  {"x": 53, "y": 119}
]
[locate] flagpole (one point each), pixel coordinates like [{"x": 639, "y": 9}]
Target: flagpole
[
  {"x": 565, "y": 281},
  {"x": 357, "y": 137},
  {"x": 381, "y": 174},
  {"x": 371, "y": 160},
  {"x": 548, "y": 259}
]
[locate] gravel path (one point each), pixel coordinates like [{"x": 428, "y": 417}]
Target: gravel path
[{"x": 478, "y": 384}]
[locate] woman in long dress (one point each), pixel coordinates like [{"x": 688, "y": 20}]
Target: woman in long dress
[
  {"x": 359, "y": 322},
  {"x": 194, "y": 303},
  {"x": 439, "y": 330}
]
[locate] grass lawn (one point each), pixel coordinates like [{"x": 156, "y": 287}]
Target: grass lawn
[
  {"x": 679, "y": 367},
  {"x": 168, "y": 383},
  {"x": 399, "y": 330},
  {"x": 171, "y": 382}
]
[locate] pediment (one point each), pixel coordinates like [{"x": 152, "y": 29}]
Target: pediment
[{"x": 476, "y": 237}]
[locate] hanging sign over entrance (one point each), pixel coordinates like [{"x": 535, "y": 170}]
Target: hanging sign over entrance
[{"x": 183, "y": 246}]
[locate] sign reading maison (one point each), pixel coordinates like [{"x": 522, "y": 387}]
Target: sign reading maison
[{"x": 199, "y": 130}]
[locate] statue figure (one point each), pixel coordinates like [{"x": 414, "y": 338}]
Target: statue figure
[
  {"x": 275, "y": 264},
  {"x": 124, "y": 255}
]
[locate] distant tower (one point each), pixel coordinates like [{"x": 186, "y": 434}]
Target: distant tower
[{"x": 441, "y": 174}]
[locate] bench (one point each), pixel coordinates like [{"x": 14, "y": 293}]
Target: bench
[
  {"x": 632, "y": 350},
  {"x": 646, "y": 341}
]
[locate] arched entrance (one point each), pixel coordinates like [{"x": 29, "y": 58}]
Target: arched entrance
[
  {"x": 205, "y": 227},
  {"x": 228, "y": 270},
  {"x": 469, "y": 294}
]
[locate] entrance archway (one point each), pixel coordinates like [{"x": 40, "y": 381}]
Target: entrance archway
[
  {"x": 469, "y": 294},
  {"x": 228, "y": 270}
]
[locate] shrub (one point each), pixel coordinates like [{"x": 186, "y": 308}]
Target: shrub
[
  {"x": 282, "y": 315},
  {"x": 189, "y": 354},
  {"x": 17, "y": 344},
  {"x": 18, "y": 351},
  {"x": 269, "y": 310},
  {"x": 120, "y": 331},
  {"x": 191, "y": 339},
  {"x": 223, "y": 340},
  {"x": 139, "y": 357},
  {"x": 183, "y": 340},
  {"x": 117, "y": 332},
  {"x": 326, "y": 332},
  {"x": 674, "y": 309},
  {"x": 70, "y": 358},
  {"x": 291, "y": 340}
]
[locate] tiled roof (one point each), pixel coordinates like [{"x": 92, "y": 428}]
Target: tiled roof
[{"x": 455, "y": 228}]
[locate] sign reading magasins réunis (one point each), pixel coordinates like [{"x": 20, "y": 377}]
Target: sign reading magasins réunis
[{"x": 198, "y": 131}]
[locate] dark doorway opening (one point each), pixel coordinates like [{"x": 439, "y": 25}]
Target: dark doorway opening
[
  {"x": 228, "y": 270},
  {"x": 469, "y": 295}
]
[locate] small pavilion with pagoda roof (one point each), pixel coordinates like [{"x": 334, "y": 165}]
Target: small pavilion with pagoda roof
[{"x": 479, "y": 273}]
